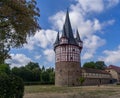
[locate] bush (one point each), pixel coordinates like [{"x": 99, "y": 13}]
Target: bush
[
  {"x": 38, "y": 83},
  {"x": 11, "y": 86},
  {"x": 118, "y": 83}
]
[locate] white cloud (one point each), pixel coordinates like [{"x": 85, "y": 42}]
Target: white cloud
[
  {"x": 91, "y": 5},
  {"x": 109, "y": 22},
  {"x": 91, "y": 45},
  {"x": 30, "y": 43},
  {"x": 42, "y": 38},
  {"x": 96, "y": 6},
  {"x": 57, "y": 20},
  {"x": 18, "y": 60},
  {"x": 50, "y": 55},
  {"x": 112, "y": 3},
  {"x": 111, "y": 56},
  {"x": 37, "y": 57}
]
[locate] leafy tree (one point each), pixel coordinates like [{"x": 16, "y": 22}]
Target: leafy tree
[
  {"x": 11, "y": 86},
  {"x": 4, "y": 68},
  {"x": 18, "y": 19},
  {"x": 45, "y": 78},
  {"x": 32, "y": 73},
  {"x": 36, "y": 75},
  {"x": 43, "y": 68},
  {"x": 81, "y": 79},
  {"x": 95, "y": 65},
  {"x": 24, "y": 73},
  {"x": 52, "y": 77},
  {"x": 89, "y": 65},
  {"x": 32, "y": 65},
  {"x": 100, "y": 65}
]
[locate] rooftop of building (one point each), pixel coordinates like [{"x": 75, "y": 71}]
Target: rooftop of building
[
  {"x": 68, "y": 33},
  {"x": 91, "y": 70},
  {"x": 116, "y": 68}
]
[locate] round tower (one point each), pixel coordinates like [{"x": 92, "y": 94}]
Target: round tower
[{"x": 67, "y": 56}]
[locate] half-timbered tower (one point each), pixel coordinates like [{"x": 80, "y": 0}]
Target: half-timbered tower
[{"x": 67, "y": 56}]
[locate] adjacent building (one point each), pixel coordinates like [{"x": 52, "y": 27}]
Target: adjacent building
[
  {"x": 95, "y": 76},
  {"x": 115, "y": 73}
]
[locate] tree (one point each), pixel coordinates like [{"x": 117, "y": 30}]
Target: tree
[
  {"x": 45, "y": 77},
  {"x": 100, "y": 65},
  {"x": 32, "y": 65},
  {"x": 18, "y": 19},
  {"x": 81, "y": 80},
  {"x": 89, "y": 65},
  {"x": 4, "y": 68},
  {"x": 11, "y": 86}
]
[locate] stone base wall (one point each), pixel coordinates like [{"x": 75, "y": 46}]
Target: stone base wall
[
  {"x": 96, "y": 81},
  {"x": 67, "y": 73}
]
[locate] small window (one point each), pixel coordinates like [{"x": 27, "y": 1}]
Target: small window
[
  {"x": 73, "y": 50},
  {"x": 60, "y": 70},
  {"x": 71, "y": 58}
]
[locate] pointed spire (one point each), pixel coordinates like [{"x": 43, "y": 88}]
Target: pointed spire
[
  {"x": 67, "y": 30},
  {"x": 78, "y": 36},
  {"x": 64, "y": 33},
  {"x": 57, "y": 40},
  {"x": 67, "y": 26}
]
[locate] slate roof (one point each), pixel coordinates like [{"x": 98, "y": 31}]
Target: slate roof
[
  {"x": 57, "y": 40},
  {"x": 78, "y": 37},
  {"x": 67, "y": 31}
]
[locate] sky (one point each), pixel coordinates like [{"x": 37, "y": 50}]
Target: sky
[{"x": 98, "y": 23}]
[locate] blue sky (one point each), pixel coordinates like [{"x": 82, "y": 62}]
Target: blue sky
[{"x": 98, "y": 23}]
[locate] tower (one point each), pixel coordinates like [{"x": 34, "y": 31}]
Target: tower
[{"x": 67, "y": 56}]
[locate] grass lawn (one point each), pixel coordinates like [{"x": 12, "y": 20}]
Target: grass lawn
[{"x": 50, "y": 91}]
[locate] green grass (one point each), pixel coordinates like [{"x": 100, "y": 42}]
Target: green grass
[
  {"x": 74, "y": 92},
  {"x": 48, "y": 89}
]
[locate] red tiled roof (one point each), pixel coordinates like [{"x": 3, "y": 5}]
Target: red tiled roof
[{"x": 116, "y": 68}]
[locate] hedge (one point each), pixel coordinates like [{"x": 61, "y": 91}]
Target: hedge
[
  {"x": 11, "y": 86},
  {"x": 38, "y": 83}
]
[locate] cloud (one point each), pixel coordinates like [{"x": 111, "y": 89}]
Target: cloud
[
  {"x": 107, "y": 23},
  {"x": 91, "y": 45},
  {"x": 37, "y": 57},
  {"x": 96, "y": 6},
  {"x": 111, "y": 56},
  {"x": 91, "y": 5},
  {"x": 30, "y": 43},
  {"x": 112, "y": 3},
  {"x": 49, "y": 54},
  {"x": 42, "y": 38},
  {"x": 18, "y": 60},
  {"x": 57, "y": 20}
]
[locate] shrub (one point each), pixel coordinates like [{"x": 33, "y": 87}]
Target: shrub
[
  {"x": 118, "y": 83},
  {"x": 11, "y": 86}
]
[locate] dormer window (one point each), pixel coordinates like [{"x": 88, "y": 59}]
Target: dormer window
[
  {"x": 80, "y": 44},
  {"x": 64, "y": 41}
]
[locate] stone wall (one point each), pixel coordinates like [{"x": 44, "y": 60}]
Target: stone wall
[
  {"x": 67, "y": 73},
  {"x": 96, "y": 81}
]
